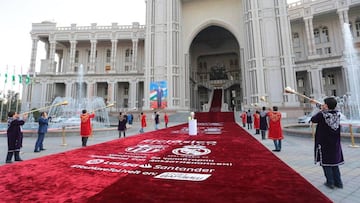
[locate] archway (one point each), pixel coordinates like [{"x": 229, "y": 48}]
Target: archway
[{"x": 215, "y": 64}]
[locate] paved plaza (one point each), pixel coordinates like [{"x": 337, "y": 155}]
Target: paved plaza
[{"x": 297, "y": 152}]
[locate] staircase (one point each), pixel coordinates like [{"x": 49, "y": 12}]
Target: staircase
[{"x": 216, "y": 101}]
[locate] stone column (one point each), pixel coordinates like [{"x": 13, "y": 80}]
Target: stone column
[
  {"x": 133, "y": 93},
  {"x": 111, "y": 90},
  {"x": 51, "y": 68},
  {"x": 72, "y": 55},
  {"x": 309, "y": 29},
  {"x": 317, "y": 90},
  {"x": 35, "y": 41},
  {"x": 113, "y": 55},
  {"x": 134, "y": 56},
  {"x": 92, "y": 55}
]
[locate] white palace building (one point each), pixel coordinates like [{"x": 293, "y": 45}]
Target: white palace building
[{"x": 249, "y": 49}]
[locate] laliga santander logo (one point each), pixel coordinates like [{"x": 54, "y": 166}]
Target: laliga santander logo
[{"x": 191, "y": 150}]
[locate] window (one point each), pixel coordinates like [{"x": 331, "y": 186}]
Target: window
[
  {"x": 300, "y": 82},
  {"x": 357, "y": 27},
  {"x": 331, "y": 79},
  {"x": 108, "y": 56},
  {"x": 296, "y": 39},
  {"x": 126, "y": 91},
  {"x": 325, "y": 35},
  {"x": 319, "y": 51},
  {"x": 89, "y": 52},
  {"x": 128, "y": 52},
  {"x": 317, "y": 36},
  {"x": 76, "y": 56},
  {"x": 333, "y": 92},
  {"x": 327, "y": 50},
  {"x": 126, "y": 68}
]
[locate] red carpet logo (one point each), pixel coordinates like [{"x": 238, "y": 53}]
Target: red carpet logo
[
  {"x": 192, "y": 150},
  {"x": 145, "y": 148},
  {"x": 95, "y": 161}
]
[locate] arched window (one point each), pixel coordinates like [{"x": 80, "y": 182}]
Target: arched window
[
  {"x": 296, "y": 39},
  {"x": 325, "y": 35},
  {"x": 317, "y": 36},
  {"x": 108, "y": 56}
]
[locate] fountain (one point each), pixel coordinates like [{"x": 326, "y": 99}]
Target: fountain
[
  {"x": 348, "y": 104},
  {"x": 69, "y": 115},
  {"x": 352, "y": 99}
]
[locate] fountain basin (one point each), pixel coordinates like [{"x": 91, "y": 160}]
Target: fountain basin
[{"x": 307, "y": 130}]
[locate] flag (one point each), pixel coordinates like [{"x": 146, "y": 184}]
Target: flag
[
  {"x": 6, "y": 76},
  {"x": 27, "y": 79},
  {"x": 13, "y": 78},
  {"x": 20, "y": 79}
]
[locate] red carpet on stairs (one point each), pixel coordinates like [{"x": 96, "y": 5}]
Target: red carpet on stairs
[
  {"x": 223, "y": 163},
  {"x": 216, "y": 101}
]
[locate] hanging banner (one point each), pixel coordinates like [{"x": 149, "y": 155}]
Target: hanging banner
[{"x": 158, "y": 94}]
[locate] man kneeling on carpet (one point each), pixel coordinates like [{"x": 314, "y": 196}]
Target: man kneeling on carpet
[
  {"x": 327, "y": 142},
  {"x": 85, "y": 126},
  {"x": 14, "y": 135}
]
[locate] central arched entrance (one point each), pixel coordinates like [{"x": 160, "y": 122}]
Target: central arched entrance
[{"x": 215, "y": 67}]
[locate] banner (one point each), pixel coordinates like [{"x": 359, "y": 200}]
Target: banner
[{"x": 158, "y": 94}]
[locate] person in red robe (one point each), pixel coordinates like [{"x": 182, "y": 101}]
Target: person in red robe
[
  {"x": 166, "y": 120},
  {"x": 143, "y": 122},
  {"x": 243, "y": 118},
  {"x": 275, "y": 130},
  {"x": 257, "y": 122},
  {"x": 85, "y": 126}
]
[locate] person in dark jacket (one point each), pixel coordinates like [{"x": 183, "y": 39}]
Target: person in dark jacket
[
  {"x": 263, "y": 123},
  {"x": 42, "y": 130},
  {"x": 122, "y": 124},
  {"x": 249, "y": 119},
  {"x": 14, "y": 135},
  {"x": 327, "y": 150}
]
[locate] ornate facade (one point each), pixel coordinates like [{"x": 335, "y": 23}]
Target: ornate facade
[{"x": 249, "y": 49}]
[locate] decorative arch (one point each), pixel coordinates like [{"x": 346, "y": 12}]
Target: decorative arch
[{"x": 209, "y": 23}]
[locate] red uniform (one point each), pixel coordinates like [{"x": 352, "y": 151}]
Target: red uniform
[
  {"x": 256, "y": 121},
  {"x": 85, "y": 127},
  {"x": 143, "y": 121},
  {"x": 166, "y": 119},
  {"x": 275, "y": 131},
  {"x": 243, "y": 118}
]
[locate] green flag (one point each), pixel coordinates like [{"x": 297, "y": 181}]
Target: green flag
[
  {"x": 6, "y": 76},
  {"x": 27, "y": 79},
  {"x": 20, "y": 79},
  {"x": 13, "y": 78}
]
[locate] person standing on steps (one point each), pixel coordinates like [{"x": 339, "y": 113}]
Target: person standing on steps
[
  {"x": 257, "y": 122},
  {"x": 14, "y": 135},
  {"x": 142, "y": 122},
  {"x": 166, "y": 120},
  {"x": 327, "y": 149},
  {"x": 42, "y": 130},
  {"x": 249, "y": 120},
  {"x": 275, "y": 129},
  {"x": 243, "y": 118},
  {"x": 85, "y": 126},
  {"x": 263, "y": 123},
  {"x": 122, "y": 125}
]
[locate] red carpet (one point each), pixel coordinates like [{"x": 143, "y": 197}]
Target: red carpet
[
  {"x": 223, "y": 163},
  {"x": 216, "y": 101}
]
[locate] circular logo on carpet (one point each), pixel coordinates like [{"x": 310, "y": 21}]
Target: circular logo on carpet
[{"x": 191, "y": 150}]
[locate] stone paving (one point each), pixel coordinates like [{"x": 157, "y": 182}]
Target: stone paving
[{"x": 297, "y": 152}]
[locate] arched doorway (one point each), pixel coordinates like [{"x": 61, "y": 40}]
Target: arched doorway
[{"x": 215, "y": 65}]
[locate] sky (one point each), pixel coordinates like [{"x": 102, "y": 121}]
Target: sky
[{"x": 17, "y": 16}]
